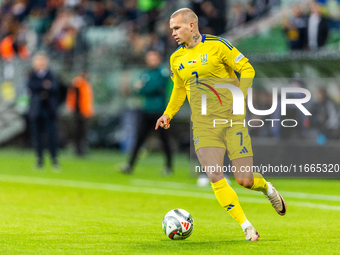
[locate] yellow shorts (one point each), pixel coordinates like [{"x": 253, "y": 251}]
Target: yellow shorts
[{"x": 235, "y": 140}]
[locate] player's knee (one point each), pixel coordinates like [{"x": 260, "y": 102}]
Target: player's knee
[{"x": 245, "y": 182}]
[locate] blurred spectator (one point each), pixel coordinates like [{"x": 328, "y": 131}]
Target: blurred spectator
[
  {"x": 6, "y": 7},
  {"x": 262, "y": 100},
  {"x": 72, "y": 3},
  {"x": 317, "y": 28},
  {"x": 296, "y": 29},
  {"x": 19, "y": 9},
  {"x": 38, "y": 20},
  {"x": 43, "y": 92},
  {"x": 64, "y": 29},
  {"x": 250, "y": 12},
  {"x": 211, "y": 15},
  {"x": 155, "y": 44},
  {"x": 151, "y": 86},
  {"x": 80, "y": 102},
  {"x": 13, "y": 40},
  {"x": 99, "y": 13},
  {"x": 11, "y": 46},
  {"x": 239, "y": 15},
  {"x": 292, "y": 112},
  {"x": 128, "y": 10},
  {"x": 325, "y": 115},
  {"x": 216, "y": 20},
  {"x": 151, "y": 9},
  {"x": 261, "y": 6}
]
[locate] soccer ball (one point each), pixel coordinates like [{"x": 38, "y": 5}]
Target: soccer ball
[{"x": 178, "y": 224}]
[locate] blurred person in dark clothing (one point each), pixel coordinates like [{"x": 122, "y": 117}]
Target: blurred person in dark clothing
[
  {"x": 317, "y": 28},
  {"x": 296, "y": 29},
  {"x": 239, "y": 15},
  {"x": 292, "y": 112},
  {"x": 151, "y": 86},
  {"x": 250, "y": 12},
  {"x": 325, "y": 116},
  {"x": 261, "y": 7},
  {"x": 43, "y": 91},
  {"x": 212, "y": 16},
  {"x": 151, "y": 9},
  {"x": 80, "y": 101}
]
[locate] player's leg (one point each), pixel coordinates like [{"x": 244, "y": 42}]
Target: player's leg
[
  {"x": 213, "y": 157},
  {"x": 142, "y": 133},
  {"x": 80, "y": 134},
  {"x": 164, "y": 135},
  {"x": 255, "y": 181},
  {"x": 245, "y": 177},
  {"x": 36, "y": 133},
  {"x": 50, "y": 123},
  {"x": 241, "y": 154}
]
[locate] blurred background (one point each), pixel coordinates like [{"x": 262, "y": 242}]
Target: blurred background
[{"x": 289, "y": 43}]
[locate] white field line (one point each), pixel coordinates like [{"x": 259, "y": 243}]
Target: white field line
[
  {"x": 238, "y": 189},
  {"x": 145, "y": 190}
]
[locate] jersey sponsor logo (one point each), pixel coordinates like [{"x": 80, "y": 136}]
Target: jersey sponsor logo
[
  {"x": 181, "y": 67},
  {"x": 204, "y": 59},
  {"x": 239, "y": 57},
  {"x": 244, "y": 150}
]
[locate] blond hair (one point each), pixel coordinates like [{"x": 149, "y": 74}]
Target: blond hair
[{"x": 186, "y": 14}]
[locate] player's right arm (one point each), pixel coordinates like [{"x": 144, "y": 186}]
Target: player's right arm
[{"x": 177, "y": 99}]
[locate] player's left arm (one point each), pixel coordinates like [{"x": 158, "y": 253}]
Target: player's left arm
[
  {"x": 238, "y": 62},
  {"x": 247, "y": 75}
]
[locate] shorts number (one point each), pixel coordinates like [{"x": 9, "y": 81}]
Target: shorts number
[{"x": 241, "y": 135}]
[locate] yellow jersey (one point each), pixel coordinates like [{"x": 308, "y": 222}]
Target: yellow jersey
[{"x": 197, "y": 69}]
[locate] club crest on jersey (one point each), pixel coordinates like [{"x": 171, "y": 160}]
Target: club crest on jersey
[
  {"x": 196, "y": 140},
  {"x": 181, "y": 66},
  {"x": 192, "y": 62},
  {"x": 171, "y": 73},
  {"x": 204, "y": 59}
]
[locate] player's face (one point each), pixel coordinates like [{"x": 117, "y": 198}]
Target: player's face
[{"x": 180, "y": 30}]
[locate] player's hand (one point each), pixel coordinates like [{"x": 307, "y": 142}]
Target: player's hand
[{"x": 163, "y": 121}]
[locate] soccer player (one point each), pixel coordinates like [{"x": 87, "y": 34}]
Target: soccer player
[{"x": 220, "y": 59}]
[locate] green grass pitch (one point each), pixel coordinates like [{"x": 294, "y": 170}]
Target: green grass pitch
[{"x": 89, "y": 208}]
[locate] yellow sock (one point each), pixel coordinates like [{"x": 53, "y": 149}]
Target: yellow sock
[
  {"x": 260, "y": 183},
  {"x": 227, "y": 197}
]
